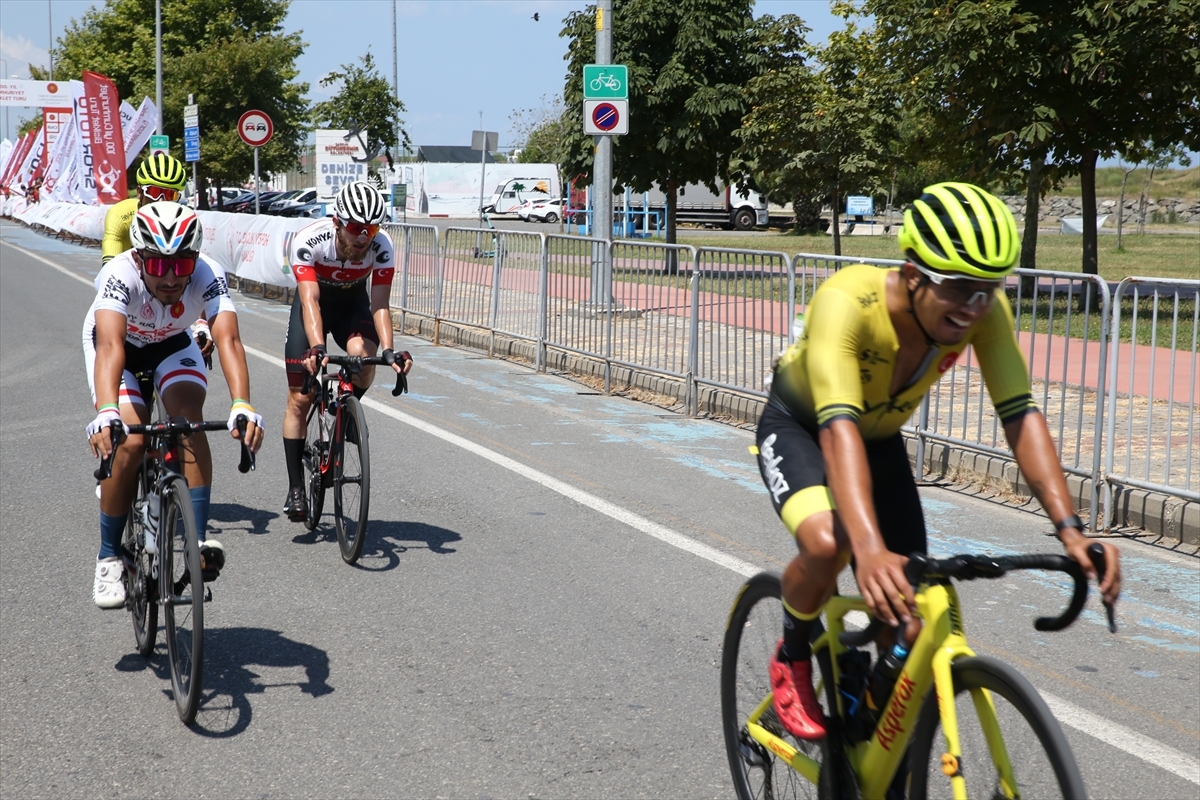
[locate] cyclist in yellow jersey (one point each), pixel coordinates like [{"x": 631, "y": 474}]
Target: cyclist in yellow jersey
[
  {"x": 830, "y": 449},
  {"x": 160, "y": 177}
]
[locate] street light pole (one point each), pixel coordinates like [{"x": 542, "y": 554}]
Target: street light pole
[
  {"x": 158, "y": 64},
  {"x": 5, "y": 134},
  {"x": 602, "y": 176},
  {"x": 50, "y": 30}
]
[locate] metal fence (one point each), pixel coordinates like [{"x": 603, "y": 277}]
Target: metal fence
[{"x": 1115, "y": 374}]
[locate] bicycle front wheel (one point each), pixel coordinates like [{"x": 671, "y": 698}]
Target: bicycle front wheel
[
  {"x": 141, "y": 595},
  {"x": 181, "y": 588},
  {"x": 753, "y": 633},
  {"x": 352, "y": 482},
  {"x": 1020, "y": 752},
  {"x": 315, "y": 445}
]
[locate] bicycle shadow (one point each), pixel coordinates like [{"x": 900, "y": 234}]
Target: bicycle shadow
[
  {"x": 225, "y": 708},
  {"x": 240, "y": 518},
  {"x": 387, "y": 540}
]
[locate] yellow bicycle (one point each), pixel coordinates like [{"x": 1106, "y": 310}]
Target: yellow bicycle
[{"x": 983, "y": 732}]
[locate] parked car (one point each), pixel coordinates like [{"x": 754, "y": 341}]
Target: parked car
[
  {"x": 277, "y": 203},
  {"x": 547, "y": 211},
  {"x": 245, "y": 204},
  {"x": 524, "y": 209},
  {"x": 299, "y": 197},
  {"x": 310, "y": 210}
]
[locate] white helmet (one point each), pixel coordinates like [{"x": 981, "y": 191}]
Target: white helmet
[
  {"x": 166, "y": 228},
  {"x": 360, "y": 202}
]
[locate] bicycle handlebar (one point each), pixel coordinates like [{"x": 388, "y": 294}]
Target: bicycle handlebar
[
  {"x": 160, "y": 430},
  {"x": 354, "y": 364},
  {"x": 968, "y": 567}
]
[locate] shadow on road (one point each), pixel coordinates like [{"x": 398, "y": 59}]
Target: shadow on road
[
  {"x": 237, "y": 517},
  {"x": 229, "y": 654},
  {"x": 387, "y": 540}
]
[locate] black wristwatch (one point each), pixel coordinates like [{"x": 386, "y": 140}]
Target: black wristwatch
[{"x": 1072, "y": 521}]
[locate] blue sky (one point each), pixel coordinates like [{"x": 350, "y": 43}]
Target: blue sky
[{"x": 456, "y": 57}]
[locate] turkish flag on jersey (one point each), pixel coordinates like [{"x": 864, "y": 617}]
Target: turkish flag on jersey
[{"x": 108, "y": 143}]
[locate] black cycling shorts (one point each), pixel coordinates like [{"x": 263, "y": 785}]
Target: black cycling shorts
[
  {"x": 793, "y": 468},
  {"x": 345, "y": 313}
]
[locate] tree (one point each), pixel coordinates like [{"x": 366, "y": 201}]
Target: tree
[
  {"x": 365, "y": 102},
  {"x": 826, "y": 130},
  {"x": 541, "y": 133},
  {"x": 232, "y": 57},
  {"x": 1034, "y": 84},
  {"x": 689, "y": 62}
]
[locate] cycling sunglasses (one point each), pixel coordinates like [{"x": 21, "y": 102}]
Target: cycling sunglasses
[
  {"x": 161, "y": 193},
  {"x": 359, "y": 229},
  {"x": 961, "y": 291},
  {"x": 157, "y": 266}
]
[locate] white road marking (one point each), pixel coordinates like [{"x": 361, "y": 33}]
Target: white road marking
[
  {"x": 1107, "y": 731},
  {"x": 1123, "y": 738}
]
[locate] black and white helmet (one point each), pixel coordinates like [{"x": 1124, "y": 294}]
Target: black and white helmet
[
  {"x": 166, "y": 228},
  {"x": 360, "y": 202}
]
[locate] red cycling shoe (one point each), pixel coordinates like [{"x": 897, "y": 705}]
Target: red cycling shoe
[{"x": 795, "y": 703}]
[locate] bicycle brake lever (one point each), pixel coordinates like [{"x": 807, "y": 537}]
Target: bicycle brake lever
[
  {"x": 104, "y": 471},
  {"x": 401, "y": 384},
  {"x": 247, "y": 462},
  {"x": 1096, "y": 554}
]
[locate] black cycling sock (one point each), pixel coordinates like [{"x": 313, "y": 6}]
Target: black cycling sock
[
  {"x": 796, "y": 632},
  {"x": 359, "y": 392},
  {"x": 293, "y": 456}
]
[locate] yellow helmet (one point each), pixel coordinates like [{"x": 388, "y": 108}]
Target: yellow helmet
[
  {"x": 162, "y": 170},
  {"x": 961, "y": 230}
]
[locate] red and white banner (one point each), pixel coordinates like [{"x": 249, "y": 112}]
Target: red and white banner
[
  {"x": 10, "y": 159},
  {"x": 108, "y": 143},
  {"x": 33, "y": 160},
  {"x": 16, "y": 159}
]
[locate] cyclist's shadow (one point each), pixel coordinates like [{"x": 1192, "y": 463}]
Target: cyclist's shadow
[
  {"x": 229, "y": 653},
  {"x": 388, "y": 539}
]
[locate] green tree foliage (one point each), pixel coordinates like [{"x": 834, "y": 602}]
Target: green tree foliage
[
  {"x": 1049, "y": 87},
  {"x": 689, "y": 62},
  {"x": 232, "y": 57},
  {"x": 364, "y": 101},
  {"x": 541, "y": 133},
  {"x": 823, "y": 128}
]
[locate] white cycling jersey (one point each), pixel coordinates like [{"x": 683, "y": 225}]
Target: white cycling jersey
[{"x": 120, "y": 288}]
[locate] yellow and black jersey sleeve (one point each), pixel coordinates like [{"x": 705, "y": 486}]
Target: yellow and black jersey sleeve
[
  {"x": 116, "y": 229},
  {"x": 1004, "y": 370},
  {"x": 833, "y": 327}
]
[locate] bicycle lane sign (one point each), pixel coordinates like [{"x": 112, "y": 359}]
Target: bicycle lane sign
[{"x": 605, "y": 82}]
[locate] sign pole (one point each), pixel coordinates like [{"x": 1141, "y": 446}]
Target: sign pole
[
  {"x": 602, "y": 177},
  {"x": 256, "y": 181}
]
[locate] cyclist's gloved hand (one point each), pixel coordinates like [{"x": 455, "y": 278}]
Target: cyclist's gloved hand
[
  {"x": 317, "y": 352},
  {"x": 254, "y": 436},
  {"x": 105, "y": 418},
  {"x": 203, "y": 337}
]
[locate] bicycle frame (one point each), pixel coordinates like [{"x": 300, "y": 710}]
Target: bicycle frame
[{"x": 940, "y": 642}]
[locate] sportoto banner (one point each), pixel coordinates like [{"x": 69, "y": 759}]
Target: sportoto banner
[
  {"x": 108, "y": 143},
  {"x": 254, "y": 248}
]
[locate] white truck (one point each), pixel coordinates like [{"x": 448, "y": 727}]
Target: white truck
[
  {"x": 697, "y": 205},
  {"x": 509, "y": 195}
]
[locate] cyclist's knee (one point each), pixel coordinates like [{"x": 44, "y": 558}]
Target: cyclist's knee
[{"x": 820, "y": 543}]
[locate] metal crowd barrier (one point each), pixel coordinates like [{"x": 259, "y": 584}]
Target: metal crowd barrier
[{"x": 1098, "y": 363}]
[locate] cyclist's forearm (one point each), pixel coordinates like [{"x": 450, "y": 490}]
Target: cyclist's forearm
[
  {"x": 383, "y": 327},
  {"x": 314, "y": 326},
  {"x": 228, "y": 338},
  {"x": 1038, "y": 461},
  {"x": 849, "y": 479},
  {"x": 110, "y": 363}
]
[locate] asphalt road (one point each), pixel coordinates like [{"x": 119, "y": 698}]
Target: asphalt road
[{"x": 538, "y": 612}]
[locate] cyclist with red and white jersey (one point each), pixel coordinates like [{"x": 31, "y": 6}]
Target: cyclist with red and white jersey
[
  {"x": 146, "y": 300},
  {"x": 343, "y": 267}
]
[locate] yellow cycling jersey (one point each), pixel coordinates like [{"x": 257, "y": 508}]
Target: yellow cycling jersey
[
  {"x": 844, "y": 363},
  {"x": 116, "y": 229}
]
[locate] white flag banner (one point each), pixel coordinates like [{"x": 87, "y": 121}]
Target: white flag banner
[
  {"x": 31, "y": 161},
  {"x": 61, "y": 160},
  {"x": 6, "y": 151},
  {"x": 137, "y": 131},
  {"x": 83, "y": 183}
]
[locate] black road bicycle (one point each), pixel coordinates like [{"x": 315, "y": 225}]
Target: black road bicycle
[
  {"x": 161, "y": 554},
  {"x": 336, "y": 453}
]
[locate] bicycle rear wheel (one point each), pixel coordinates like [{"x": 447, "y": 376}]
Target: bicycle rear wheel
[
  {"x": 182, "y": 588},
  {"x": 141, "y": 587},
  {"x": 315, "y": 445},
  {"x": 352, "y": 482},
  {"x": 751, "y": 637},
  {"x": 1041, "y": 760}
]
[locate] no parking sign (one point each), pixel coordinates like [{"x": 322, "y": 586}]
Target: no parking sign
[{"x": 605, "y": 117}]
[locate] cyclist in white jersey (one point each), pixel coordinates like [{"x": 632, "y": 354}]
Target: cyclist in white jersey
[{"x": 146, "y": 299}]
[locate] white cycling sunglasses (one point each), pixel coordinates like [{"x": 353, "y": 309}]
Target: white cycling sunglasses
[{"x": 962, "y": 295}]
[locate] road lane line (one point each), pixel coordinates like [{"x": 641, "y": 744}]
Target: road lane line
[
  {"x": 612, "y": 510},
  {"x": 50, "y": 263},
  {"x": 1123, "y": 738}
]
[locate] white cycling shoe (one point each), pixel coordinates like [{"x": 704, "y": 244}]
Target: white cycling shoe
[{"x": 108, "y": 591}]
